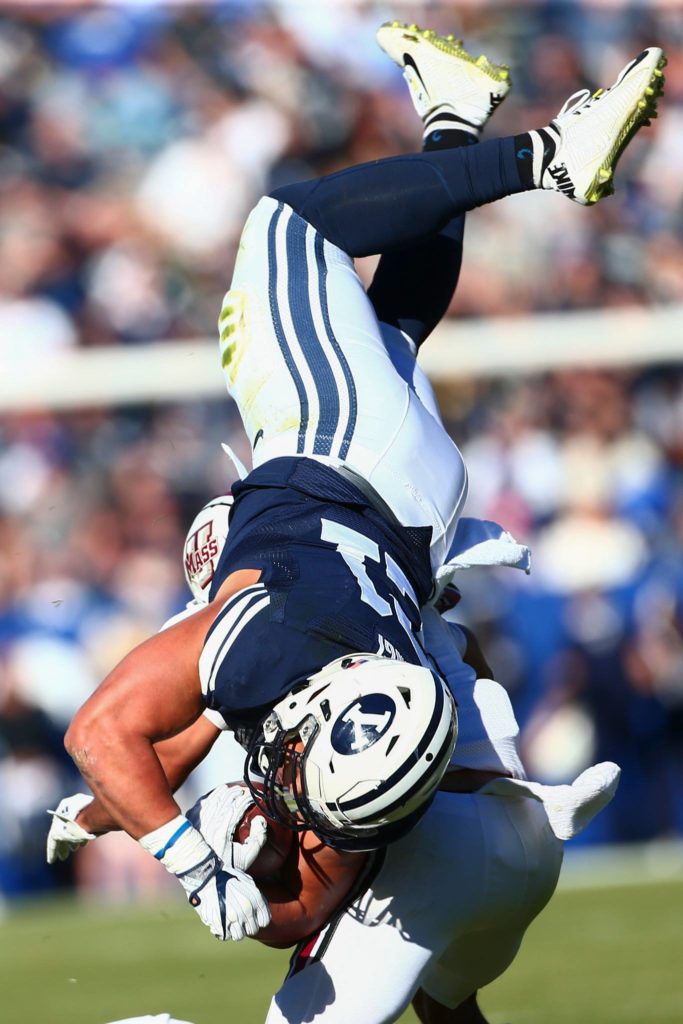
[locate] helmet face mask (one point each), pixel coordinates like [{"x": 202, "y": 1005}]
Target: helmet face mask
[
  {"x": 276, "y": 758},
  {"x": 354, "y": 756}
]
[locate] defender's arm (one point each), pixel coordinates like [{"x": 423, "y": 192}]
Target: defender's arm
[{"x": 308, "y": 891}]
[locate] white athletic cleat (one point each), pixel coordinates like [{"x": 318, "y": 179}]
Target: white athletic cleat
[
  {"x": 581, "y": 147},
  {"x": 449, "y": 88}
]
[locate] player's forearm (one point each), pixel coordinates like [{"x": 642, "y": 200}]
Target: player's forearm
[
  {"x": 295, "y": 916},
  {"x": 179, "y": 756},
  {"x": 125, "y": 776},
  {"x": 96, "y": 819}
]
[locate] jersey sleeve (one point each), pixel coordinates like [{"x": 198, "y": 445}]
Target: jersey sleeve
[
  {"x": 231, "y": 630},
  {"x": 216, "y": 718},
  {"x": 260, "y": 644}
]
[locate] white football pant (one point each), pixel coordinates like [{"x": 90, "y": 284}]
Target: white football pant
[
  {"x": 446, "y": 913},
  {"x": 313, "y": 373}
]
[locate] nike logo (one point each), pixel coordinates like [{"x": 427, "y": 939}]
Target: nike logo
[
  {"x": 259, "y": 435},
  {"x": 494, "y": 101},
  {"x": 562, "y": 180},
  {"x": 407, "y": 59}
]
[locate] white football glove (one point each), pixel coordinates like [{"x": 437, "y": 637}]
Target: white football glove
[
  {"x": 65, "y": 835},
  {"x": 217, "y": 815},
  {"x": 228, "y": 901},
  {"x": 226, "y": 898}
]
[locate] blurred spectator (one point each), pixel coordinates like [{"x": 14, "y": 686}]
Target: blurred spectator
[
  {"x": 33, "y": 772},
  {"x": 137, "y": 139}
]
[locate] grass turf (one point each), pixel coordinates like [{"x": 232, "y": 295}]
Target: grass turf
[{"x": 594, "y": 956}]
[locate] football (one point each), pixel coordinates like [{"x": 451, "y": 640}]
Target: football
[{"x": 280, "y": 843}]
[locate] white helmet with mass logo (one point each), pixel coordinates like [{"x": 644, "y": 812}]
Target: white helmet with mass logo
[
  {"x": 203, "y": 545},
  {"x": 356, "y": 752}
]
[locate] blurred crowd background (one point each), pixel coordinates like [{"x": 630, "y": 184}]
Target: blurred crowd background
[{"x": 133, "y": 141}]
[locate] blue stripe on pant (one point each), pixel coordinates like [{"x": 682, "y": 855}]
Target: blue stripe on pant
[
  {"x": 304, "y": 328},
  {"x": 298, "y": 277}
]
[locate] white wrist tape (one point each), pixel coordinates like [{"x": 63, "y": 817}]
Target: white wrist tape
[{"x": 177, "y": 844}]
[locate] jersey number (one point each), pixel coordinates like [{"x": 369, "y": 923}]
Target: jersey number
[{"x": 355, "y": 548}]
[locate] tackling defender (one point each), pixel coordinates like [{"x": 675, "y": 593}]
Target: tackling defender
[{"x": 330, "y": 544}]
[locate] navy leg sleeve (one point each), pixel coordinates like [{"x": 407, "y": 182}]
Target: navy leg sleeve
[
  {"x": 389, "y": 204},
  {"x": 413, "y": 287}
]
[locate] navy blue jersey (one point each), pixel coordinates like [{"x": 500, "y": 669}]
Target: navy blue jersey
[{"x": 337, "y": 577}]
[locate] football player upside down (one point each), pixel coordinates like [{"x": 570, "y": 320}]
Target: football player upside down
[{"x": 328, "y": 569}]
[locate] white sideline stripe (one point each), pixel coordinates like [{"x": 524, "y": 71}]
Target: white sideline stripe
[
  {"x": 169, "y": 371},
  {"x": 610, "y": 867}
]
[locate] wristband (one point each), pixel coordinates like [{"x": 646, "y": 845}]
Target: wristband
[{"x": 177, "y": 844}]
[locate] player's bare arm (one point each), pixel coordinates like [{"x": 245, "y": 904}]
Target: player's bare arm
[
  {"x": 179, "y": 756},
  {"x": 152, "y": 695}
]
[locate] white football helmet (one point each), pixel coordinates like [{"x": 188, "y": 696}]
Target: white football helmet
[
  {"x": 356, "y": 752},
  {"x": 203, "y": 545}
]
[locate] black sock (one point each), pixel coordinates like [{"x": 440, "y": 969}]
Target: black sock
[
  {"x": 534, "y": 152},
  {"x": 524, "y": 151},
  {"x": 451, "y": 138}
]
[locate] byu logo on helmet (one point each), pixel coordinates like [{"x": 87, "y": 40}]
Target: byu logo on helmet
[{"x": 362, "y": 723}]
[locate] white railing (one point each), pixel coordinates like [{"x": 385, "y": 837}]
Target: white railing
[{"x": 190, "y": 370}]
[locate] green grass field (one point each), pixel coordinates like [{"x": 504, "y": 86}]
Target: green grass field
[{"x": 597, "y": 956}]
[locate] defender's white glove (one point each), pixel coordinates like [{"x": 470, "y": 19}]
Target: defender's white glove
[
  {"x": 65, "y": 835},
  {"x": 217, "y": 814},
  {"x": 226, "y": 898}
]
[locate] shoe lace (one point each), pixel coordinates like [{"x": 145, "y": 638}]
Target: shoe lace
[{"x": 578, "y": 99}]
